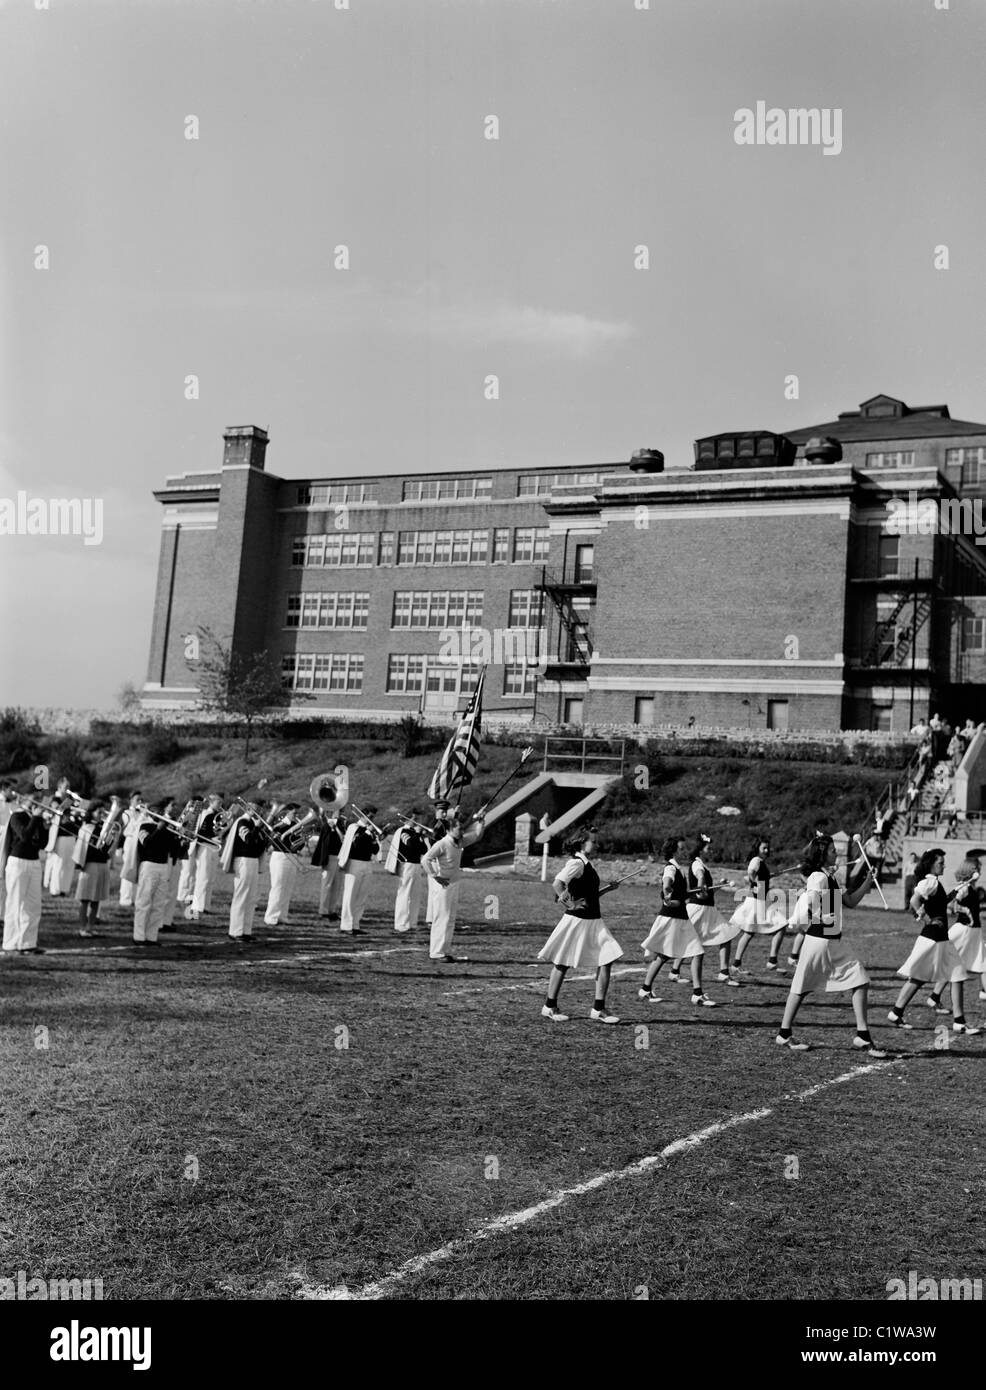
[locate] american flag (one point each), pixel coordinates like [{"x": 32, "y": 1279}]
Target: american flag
[{"x": 461, "y": 756}]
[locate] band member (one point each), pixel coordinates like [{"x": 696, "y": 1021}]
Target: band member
[
  {"x": 156, "y": 850},
  {"x": 8, "y": 798},
  {"x": 934, "y": 957},
  {"x": 242, "y": 852},
  {"x": 325, "y": 856},
  {"x": 442, "y": 862},
  {"x": 284, "y": 869},
  {"x": 673, "y": 935},
  {"x": 824, "y": 962},
  {"x": 93, "y": 886},
  {"x": 700, "y": 904},
  {"x": 206, "y": 858},
  {"x": 360, "y": 846},
  {"x": 408, "y": 847},
  {"x": 132, "y": 820},
  {"x": 60, "y": 865},
  {"x": 756, "y": 914},
  {"x": 442, "y": 813},
  {"x": 189, "y": 854},
  {"x": 26, "y": 837},
  {"x": 581, "y": 938},
  {"x": 179, "y": 859}
]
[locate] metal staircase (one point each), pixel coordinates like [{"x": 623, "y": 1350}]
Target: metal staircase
[{"x": 890, "y": 646}]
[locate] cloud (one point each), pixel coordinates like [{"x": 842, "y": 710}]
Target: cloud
[{"x": 524, "y": 325}]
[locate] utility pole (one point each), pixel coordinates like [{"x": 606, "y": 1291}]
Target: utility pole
[{"x": 914, "y": 642}]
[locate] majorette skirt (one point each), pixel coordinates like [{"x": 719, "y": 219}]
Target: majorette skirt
[
  {"x": 756, "y": 917},
  {"x": 94, "y": 884},
  {"x": 932, "y": 961},
  {"x": 710, "y": 924},
  {"x": 676, "y": 937},
  {"x": 581, "y": 941},
  {"x": 968, "y": 941},
  {"x": 825, "y": 963}
]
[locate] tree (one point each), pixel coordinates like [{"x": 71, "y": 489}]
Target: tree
[
  {"x": 243, "y": 685},
  {"x": 128, "y": 698}
]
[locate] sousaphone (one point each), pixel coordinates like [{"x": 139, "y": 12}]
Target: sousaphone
[{"x": 330, "y": 790}]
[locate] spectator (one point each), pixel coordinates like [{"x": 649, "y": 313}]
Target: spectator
[
  {"x": 921, "y": 728},
  {"x": 956, "y": 751},
  {"x": 876, "y": 851},
  {"x": 969, "y": 731}
]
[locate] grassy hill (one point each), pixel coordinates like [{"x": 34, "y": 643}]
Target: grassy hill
[{"x": 683, "y": 794}]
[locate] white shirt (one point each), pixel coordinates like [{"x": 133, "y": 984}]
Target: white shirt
[
  {"x": 443, "y": 859},
  {"x": 813, "y": 905}
]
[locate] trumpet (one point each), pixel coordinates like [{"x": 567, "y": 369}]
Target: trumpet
[{"x": 176, "y": 827}]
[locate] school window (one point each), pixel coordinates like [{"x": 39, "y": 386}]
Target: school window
[
  {"x": 288, "y": 665},
  {"x": 443, "y": 547},
  {"x": 293, "y": 618},
  {"x": 447, "y": 489},
  {"x": 519, "y": 679},
  {"x": 584, "y": 563},
  {"x": 526, "y": 608},
  {"x": 974, "y": 634},
  {"x": 329, "y": 610},
  {"x": 335, "y": 494},
  {"x": 438, "y": 608},
  {"x": 897, "y": 458},
  {"x": 888, "y": 556},
  {"x": 882, "y": 718},
  {"x": 335, "y": 550},
  {"x": 341, "y": 672},
  {"x": 501, "y": 545},
  {"x": 531, "y": 544},
  {"x": 405, "y": 674},
  {"x": 972, "y": 463},
  {"x": 573, "y": 711},
  {"x": 385, "y": 548},
  {"x": 643, "y": 709},
  {"x": 299, "y": 549}
]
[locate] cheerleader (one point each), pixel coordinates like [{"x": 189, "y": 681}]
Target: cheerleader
[
  {"x": 824, "y": 962},
  {"x": 755, "y": 914},
  {"x": 934, "y": 957},
  {"x": 93, "y": 886},
  {"x": 966, "y": 935},
  {"x": 674, "y": 935},
  {"x": 712, "y": 927},
  {"x": 581, "y": 938}
]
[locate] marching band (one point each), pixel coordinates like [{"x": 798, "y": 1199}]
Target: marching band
[{"x": 172, "y": 862}]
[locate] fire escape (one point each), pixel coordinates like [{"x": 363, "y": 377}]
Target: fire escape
[
  {"x": 572, "y": 593},
  {"x": 890, "y": 649}
]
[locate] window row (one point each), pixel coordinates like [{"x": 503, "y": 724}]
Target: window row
[
  {"x": 334, "y": 494},
  {"x": 341, "y": 672},
  {"x": 539, "y": 484},
  {"x": 447, "y": 489},
  {"x": 899, "y": 458},
  {"x": 328, "y": 610},
  {"x": 438, "y": 608},
  {"x": 411, "y": 674},
  {"x": 363, "y": 549}
]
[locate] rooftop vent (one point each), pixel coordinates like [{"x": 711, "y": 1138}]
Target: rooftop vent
[
  {"x": 647, "y": 461},
  {"x": 822, "y": 449}
]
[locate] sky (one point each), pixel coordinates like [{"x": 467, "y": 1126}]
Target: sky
[{"x": 170, "y": 257}]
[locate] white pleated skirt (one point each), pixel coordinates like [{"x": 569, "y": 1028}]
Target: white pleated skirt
[
  {"x": 931, "y": 961},
  {"x": 676, "y": 937},
  {"x": 825, "y": 963},
  {"x": 754, "y": 917},
  {"x": 710, "y": 924},
  {"x": 968, "y": 942},
  {"x": 584, "y": 942}
]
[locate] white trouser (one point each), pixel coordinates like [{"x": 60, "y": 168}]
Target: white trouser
[
  {"x": 151, "y": 900},
  {"x": 128, "y": 890},
  {"x": 355, "y": 890},
  {"x": 186, "y": 879},
  {"x": 246, "y": 886},
  {"x": 410, "y": 895},
  {"x": 443, "y": 923},
  {"x": 22, "y": 881},
  {"x": 206, "y": 873},
  {"x": 330, "y": 892},
  {"x": 169, "y": 911},
  {"x": 432, "y": 900},
  {"x": 283, "y": 876},
  {"x": 62, "y": 866}
]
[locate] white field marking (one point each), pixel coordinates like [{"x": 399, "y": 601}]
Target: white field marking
[
  {"x": 333, "y": 955},
  {"x": 538, "y": 983},
  {"x": 381, "y": 1288}
]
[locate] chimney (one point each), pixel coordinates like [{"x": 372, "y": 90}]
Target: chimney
[
  {"x": 244, "y": 444},
  {"x": 647, "y": 461}
]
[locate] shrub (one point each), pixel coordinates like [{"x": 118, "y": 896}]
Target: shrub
[
  {"x": 19, "y": 741},
  {"x": 161, "y": 748}
]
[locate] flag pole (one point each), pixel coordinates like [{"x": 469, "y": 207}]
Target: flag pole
[{"x": 477, "y": 701}]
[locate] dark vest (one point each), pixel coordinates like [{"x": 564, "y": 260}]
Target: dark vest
[
  {"x": 816, "y": 926},
  {"x": 586, "y": 887},
  {"x": 700, "y": 885},
  {"x": 937, "y": 909},
  {"x": 678, "y": 890}
]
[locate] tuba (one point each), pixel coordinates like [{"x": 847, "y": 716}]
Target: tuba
[
  {"x": 330, "y": 791},
  {"x": 109, "y": 830},
  {"x": 295, "y": 836}
]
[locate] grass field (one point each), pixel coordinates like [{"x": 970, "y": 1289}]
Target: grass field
[{"x": 191, "y": 1124}]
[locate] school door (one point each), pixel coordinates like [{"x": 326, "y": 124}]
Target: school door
[
  {"x": 442, "y": 688},
  {"x": 777, "y": 714}
]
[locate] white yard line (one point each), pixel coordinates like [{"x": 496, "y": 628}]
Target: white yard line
[
  {"x": 539, "y": 983},
  {"x": 510, "y": 1222}
]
